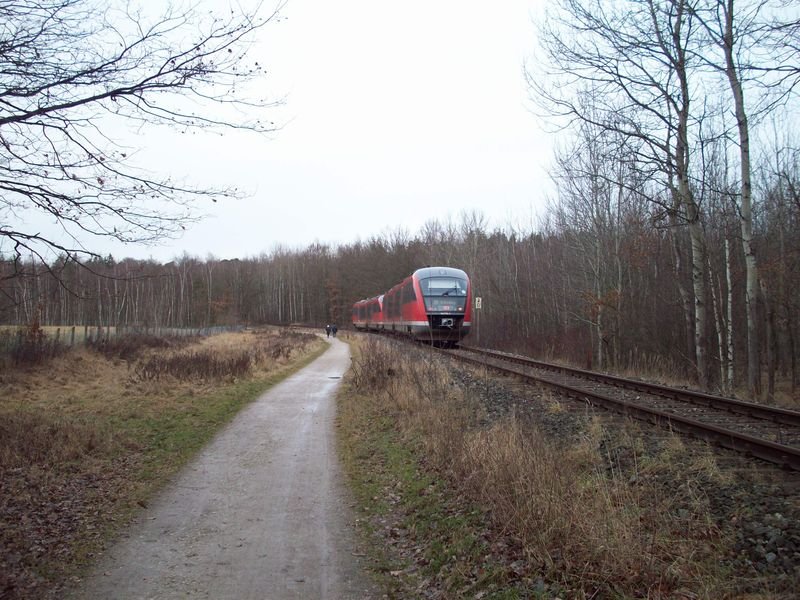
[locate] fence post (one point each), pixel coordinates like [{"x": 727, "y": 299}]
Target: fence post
[
  {"x": 72, "y": 336},
  {"x": 85, "y": 333}
]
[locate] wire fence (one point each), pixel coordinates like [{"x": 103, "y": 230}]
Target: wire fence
[{"x": 81, "y": 335}]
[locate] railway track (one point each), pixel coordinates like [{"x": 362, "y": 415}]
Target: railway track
[{"x": 768, "y": 433}]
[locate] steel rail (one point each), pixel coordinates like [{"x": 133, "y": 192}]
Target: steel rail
[
  {"x": 751, "y": 409},
  {"x": 785, "y": 456}
]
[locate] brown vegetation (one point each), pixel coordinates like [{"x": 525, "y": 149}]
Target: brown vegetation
[
  {"x": 575, "y": 527},
  {"x": 84, "y": 439},
  {"x": 27, "y": 345}
]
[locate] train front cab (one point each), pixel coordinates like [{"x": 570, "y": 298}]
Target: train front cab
[{"x": 444, "y": 305}]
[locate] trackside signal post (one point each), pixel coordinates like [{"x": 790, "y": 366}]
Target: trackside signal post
[{"x": 478, "y": 304}]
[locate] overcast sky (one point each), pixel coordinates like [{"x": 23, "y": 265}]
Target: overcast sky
[{"x": 394, "y": 114}]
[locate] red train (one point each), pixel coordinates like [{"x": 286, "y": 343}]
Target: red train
[{"x": 433, "y": 304}]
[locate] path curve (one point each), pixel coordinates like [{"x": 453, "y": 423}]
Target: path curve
[{"x": 260, "y": 513}]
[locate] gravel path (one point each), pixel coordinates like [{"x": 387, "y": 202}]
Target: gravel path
[{"x": 261, "y": 512}]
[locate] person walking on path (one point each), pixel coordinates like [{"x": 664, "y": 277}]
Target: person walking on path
[{"x": 328, "y": 331}]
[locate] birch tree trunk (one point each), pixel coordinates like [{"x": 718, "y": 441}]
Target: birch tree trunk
[
  {"x": 729, "y": 330},
  {"x": 745, "y": 208},
  {"x": 716, "y": 301},
  {"x": 770, "y": 342},
  {"x": 686, "y": 301}
]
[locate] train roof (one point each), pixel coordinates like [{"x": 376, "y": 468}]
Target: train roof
[
  {"x": 426, "y": 272},
  {"x": 379, "y": 299}
]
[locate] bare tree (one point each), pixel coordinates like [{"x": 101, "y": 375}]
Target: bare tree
[
  {"x": 73, "y": 71},
  {"x": 750, "y": 39},
  {"x": 634, "y": 59}
]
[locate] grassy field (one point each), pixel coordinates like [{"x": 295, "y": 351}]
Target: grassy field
[
  {"x": 458, "y": 502},
  {"x": 463, "y": 504},
  {"x": 88, "y": 436}
]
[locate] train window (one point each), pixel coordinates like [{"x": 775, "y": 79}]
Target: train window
[
  {"x": 444, "y": 286},
  {"x": 408, "y": 292},
  {"x": 390, "y": 304}
]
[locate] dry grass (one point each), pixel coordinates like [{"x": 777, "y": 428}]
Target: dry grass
[
  {"x": 83, "y": 440},
  {"x": 785, "y": 396},
  {"x": 588, "y": 530}
]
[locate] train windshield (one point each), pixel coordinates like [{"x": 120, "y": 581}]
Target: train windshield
[
  {"x": 444, "y": 286},
  {"x": 444, "y": 294}
]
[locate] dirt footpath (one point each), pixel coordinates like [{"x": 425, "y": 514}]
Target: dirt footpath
[{"x": 260, "y": 513}]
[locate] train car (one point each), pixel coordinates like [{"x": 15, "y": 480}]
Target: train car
[
  {"x": 433, "y": 304},
  {"x": 368, "y": 314}
]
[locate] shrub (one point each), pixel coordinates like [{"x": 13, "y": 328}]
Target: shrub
[
  {"x": 279, "y": 346},
  {"x": 203, "y": 364},
  {"x": 374, "y": 366},
  {"x": 27, "y": 346},
  {"x": 128, "y": 347}
]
